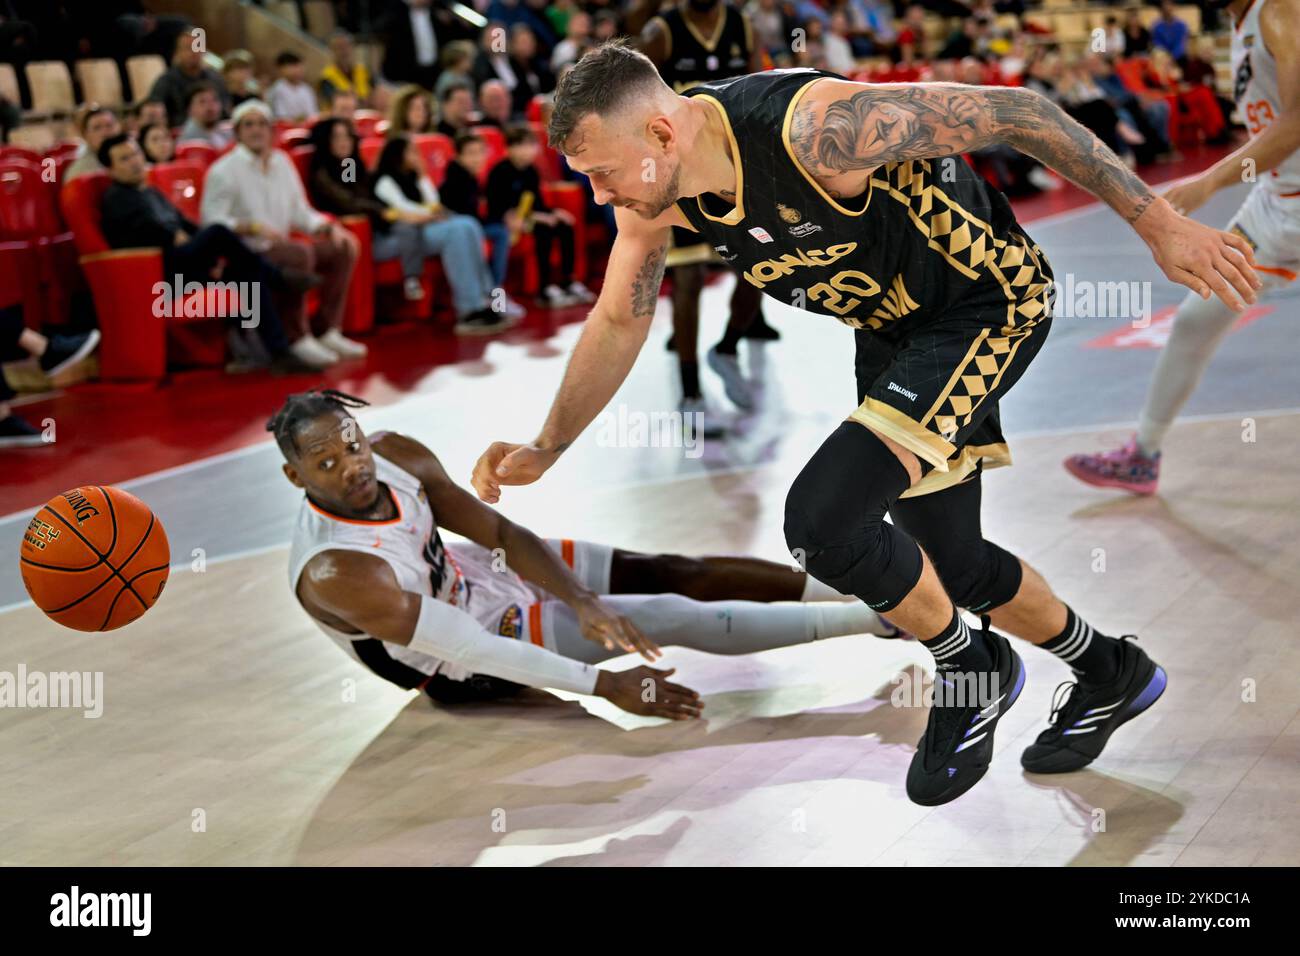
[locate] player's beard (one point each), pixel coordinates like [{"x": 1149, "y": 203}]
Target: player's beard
[{"x": 655, "y": 207}]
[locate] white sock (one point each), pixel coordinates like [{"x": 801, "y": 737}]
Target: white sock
[{"x": 814, "y": 590}]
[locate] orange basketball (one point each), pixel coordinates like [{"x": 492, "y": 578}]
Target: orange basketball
[{"x": 95, "y": 558}]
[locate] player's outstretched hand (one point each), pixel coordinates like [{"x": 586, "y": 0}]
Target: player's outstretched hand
[
  {"x": 646, "y": 691},
  {"x": 505, "y": 463},
  {"x": 1208, "y": 261},
  {"x": 603, "y": 625}
]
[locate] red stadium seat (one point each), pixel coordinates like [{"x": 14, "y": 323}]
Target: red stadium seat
[
  {"x": 437, "y": 151},
  {"x": 301, "y": 156},
  {"x": 136, "y": 345},
  {"x": 294, "y": 136},
  {"x": 533, "y": 113},
  {"x": 182, "y": 183},
  {"x": 370, "y": 148},
  {"x": 365, "y": 121},
  {"x": 203, "y": 153},
  {"x": 37, "y": 246},
  {"x": 19, "y": 152}
]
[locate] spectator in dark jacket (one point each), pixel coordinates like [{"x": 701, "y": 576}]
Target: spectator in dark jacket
[
  {"x": 460, "y": 193},
  {"x": 187, "y": 70},
  {"x": 136, "y": 215}
]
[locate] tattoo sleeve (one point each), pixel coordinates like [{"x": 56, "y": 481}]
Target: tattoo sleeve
[
  {"x": 888, "y": 124},
  {"x": 645, "y": 287}
]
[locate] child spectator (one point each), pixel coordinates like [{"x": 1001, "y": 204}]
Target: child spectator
[
  {"x": 514, "y": 198},
  {"x": 291, "y": 96},
  {"x": 237, "y": 71},
  {"x": 460, "y": 193},
  {"x": 457, "y": 66}
]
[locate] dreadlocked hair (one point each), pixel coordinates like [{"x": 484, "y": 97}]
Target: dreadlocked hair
[{"x": 303, "y": 407}]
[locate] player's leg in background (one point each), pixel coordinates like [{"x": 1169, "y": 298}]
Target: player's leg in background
[
  {"x": 746, "y": 301},
  {"x": 688, "y": 281},
  {"x": 1200, "y": 325},
  {"x": 715, "y": 578}
]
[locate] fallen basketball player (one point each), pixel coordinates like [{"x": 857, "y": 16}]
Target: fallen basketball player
[{"x": 507, "y": 609}]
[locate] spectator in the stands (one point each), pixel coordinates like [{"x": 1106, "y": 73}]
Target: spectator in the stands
[
  {"x": 204, "y": 123},
  {"x": 512, "y": 13},
  {"x": 345, "y": 72},
  {"x": 54, "y": 354},
  {"x": 532, "y": 76},
  {"x": 254, "y": 189},
  {"x": 152, "y": 111},
  {"x": 457, "y": 66},
  {"x": 424, "y": 227},
  {"x": 97, "y": 123},
  {"x": 456, "y": 109},
  {"x": 1113, "y": 37},
  {"x": 410, "y": 31},
  {"x": 342, "y": 104},
  {"x": 411, "y": 112},
  {"x": 1137, "y": 39},
  {"x": 157, "y": 144},
  {"x": 494, "y": 104},
  {"x": 1151, "y": 120},
  {"x": 769, "y": 27},
  {"x": 835, "y": 43},
  {"x": 1170, "y": 33},
  {"x": 514, "y": 198},
  {"x": 237, "y": 71},
  {"x": 493, "y": 59},
  {"x": 912, "y": 35},
  {"x": 186, "y": 70},
  {"x": 577, "y": 40},
  {"x": 291, "y": 96},
  {"x": 136, "y": 215},
  {"x": 460, "y": 193},
  {"x": 606, "y": 26}
]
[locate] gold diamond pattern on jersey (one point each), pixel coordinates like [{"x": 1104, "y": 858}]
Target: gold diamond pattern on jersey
[{"x": 968, "y": 243}]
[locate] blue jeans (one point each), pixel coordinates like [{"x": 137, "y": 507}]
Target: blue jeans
[
  {"x": 499, "y": 236},
  {"x": 458, "y": 240}
]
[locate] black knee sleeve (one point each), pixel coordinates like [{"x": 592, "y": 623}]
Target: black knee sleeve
[
  {"x": 977, "y": 574},
  {"x": 979, "y": 578},
  {"x": 835, "y": 519}
]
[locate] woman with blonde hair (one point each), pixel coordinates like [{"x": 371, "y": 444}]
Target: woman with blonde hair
[{"x": 412, "y": 112}]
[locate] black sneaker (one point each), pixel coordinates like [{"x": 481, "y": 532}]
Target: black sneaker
[
  {"x": 16, "y": 432},
  {"x": 958, "y": 743},
  {"x": 64, "y": 351},
  {"x": 1083, "y": 719},
  {"x": 760, "y": 331},
  {"x": 485, "y": 322},
  {"x": 289, "y": 364}
]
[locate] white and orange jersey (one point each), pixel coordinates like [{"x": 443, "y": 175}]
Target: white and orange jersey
[
  {"x": 1255, "y": 89},
  {"x": 464, "y": 575}
]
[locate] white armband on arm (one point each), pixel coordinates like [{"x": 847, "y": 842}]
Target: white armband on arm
[{"x": 450, "y": 634}]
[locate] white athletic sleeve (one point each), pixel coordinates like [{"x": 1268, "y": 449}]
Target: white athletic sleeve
[{"x": 452, "y": 635}]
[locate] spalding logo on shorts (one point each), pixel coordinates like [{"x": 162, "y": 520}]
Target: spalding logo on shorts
[{"x": 511, "y": 622}]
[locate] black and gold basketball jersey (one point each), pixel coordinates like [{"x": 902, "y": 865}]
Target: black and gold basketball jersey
[
  {"x": 925, "y": 235},
  {"x": 694, "y": 58}
]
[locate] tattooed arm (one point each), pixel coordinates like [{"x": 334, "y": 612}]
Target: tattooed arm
[
  {"x": 612, "y": 336},
  {"x": 841, "y": 131}
]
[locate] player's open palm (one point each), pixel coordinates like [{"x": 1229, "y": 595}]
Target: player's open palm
[
  {"x": 1208, "y": 261},
  {"x": 505, "y": 463},
  {"x": 603, "y": 625},
  {"x": 647, "y": 691}
]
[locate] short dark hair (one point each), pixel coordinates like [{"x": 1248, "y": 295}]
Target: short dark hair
[
  {"x": 287, "y": 58},
  {"x": 452, "y": 88},
  {"x": 604, "y": 80},
  {"x": 195, "y": 90},
  {"x": 93, "y": 110},
  {"x": 464, "y": 138},
  {"x": 519, "y": 133},
  {"x": 301, "y": 408},
  {"x": 105, "y": 152}
]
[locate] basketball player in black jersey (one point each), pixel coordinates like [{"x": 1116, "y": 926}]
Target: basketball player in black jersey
[
  {"x": 694, "y": 42},
  {"x": 851, "y": 200}
]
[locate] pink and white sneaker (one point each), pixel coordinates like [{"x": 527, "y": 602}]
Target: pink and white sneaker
[{"x": 1125, "y": 468}]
